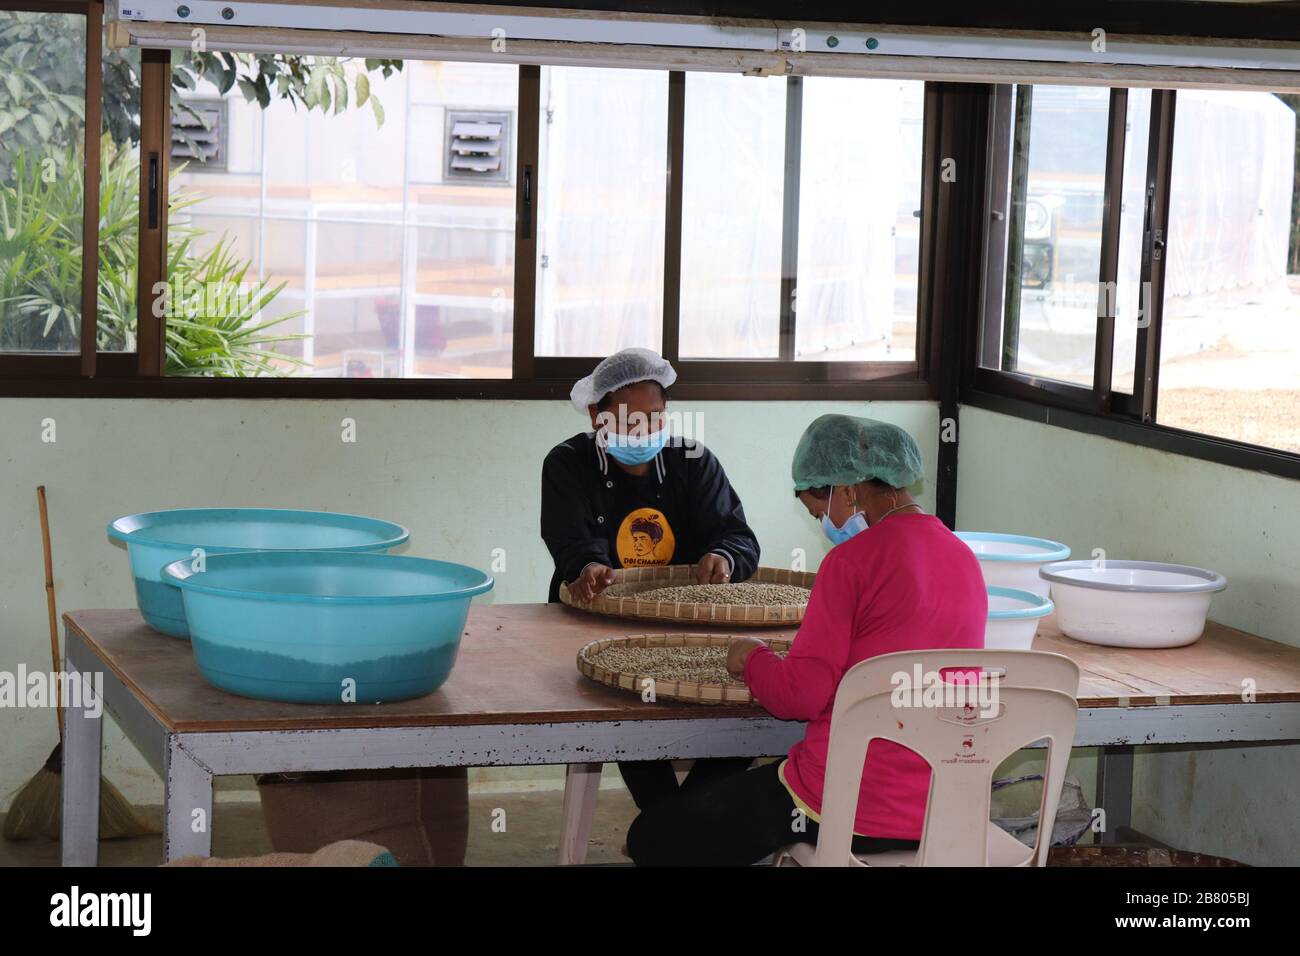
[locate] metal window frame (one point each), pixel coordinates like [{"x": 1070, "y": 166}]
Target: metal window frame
[
  {"x": 15, "y": 365},
  {"x": 141, "y": 374},
  {"x": 783, "y": 377},
  {"x": 155, "y": 161},
  {"x": 999, "y": 299},
  {"x": 950, "y": 300},
  {"x": 1099, "y": 410}
]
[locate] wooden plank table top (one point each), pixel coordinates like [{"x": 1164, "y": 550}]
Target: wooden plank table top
[{"x": 517, "y": 666}]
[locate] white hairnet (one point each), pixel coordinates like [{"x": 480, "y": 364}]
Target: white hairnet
[{"x": 620, "y": 369}]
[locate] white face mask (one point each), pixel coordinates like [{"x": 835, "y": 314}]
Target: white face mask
[{"x": 854, "y": 524}]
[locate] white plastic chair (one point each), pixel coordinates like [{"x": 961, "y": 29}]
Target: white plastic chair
[{"x": 1036, "y": 700}]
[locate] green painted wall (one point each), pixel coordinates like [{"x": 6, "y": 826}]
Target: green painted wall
[
  {"x": 464, "y": 476},
  {"x": 1023, "y": 477}
]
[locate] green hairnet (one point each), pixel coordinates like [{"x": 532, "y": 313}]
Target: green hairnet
[{"x": 845, "y": 450}]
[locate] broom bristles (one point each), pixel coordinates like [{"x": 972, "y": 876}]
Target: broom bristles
[{"x": 37, "y": 809}]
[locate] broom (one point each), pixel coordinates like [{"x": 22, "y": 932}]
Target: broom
[{"x": 37, "y": 809}]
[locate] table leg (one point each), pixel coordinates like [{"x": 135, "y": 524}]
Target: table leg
[
  {"x": 187, "y": 829},
  {"x": 82, "y": 752},
  {"x": 581, "y": 783},
  {"x": 1115, "y": 789}
]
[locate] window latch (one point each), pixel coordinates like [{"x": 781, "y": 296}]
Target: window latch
[
  {"x": 153, "y": 191},
  {"x": 527, "y": 190}
]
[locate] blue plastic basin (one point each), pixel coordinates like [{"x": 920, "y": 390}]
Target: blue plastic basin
[
  {"x": 157, "y": 538},
  {"x": 310, "y": 626}
]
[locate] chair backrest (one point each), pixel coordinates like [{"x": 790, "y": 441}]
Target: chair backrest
[{"x": 959, "y": 732}]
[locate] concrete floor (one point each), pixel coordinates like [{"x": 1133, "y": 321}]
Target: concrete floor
[{"x": 532, "y": 833}]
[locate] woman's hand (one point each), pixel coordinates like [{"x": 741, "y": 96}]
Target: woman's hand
[
  {"x": 713, "y": 569},
  {"x": 593, "y": 579},
  {"x": 738, "y": 652}
]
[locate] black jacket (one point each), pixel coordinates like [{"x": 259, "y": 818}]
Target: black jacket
[{"x": 681, "y": 510}]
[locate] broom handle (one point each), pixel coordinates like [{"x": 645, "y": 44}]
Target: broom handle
[{"x": 49, "y": 604}]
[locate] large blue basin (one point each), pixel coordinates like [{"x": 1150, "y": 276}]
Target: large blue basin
[
  {"x": 326, "y": 626},
  {"x": 157, "y": 538}
]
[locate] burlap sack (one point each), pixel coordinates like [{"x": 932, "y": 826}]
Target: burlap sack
[
  {"x": 421, "y": 816},
  {"x": 343, "y": 853}
]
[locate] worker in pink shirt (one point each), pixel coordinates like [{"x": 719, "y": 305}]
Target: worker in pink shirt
[{"x": 896, "y": 579}]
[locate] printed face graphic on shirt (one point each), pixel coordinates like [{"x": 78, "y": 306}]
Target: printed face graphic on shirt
[{"x": 645, "y": 538}]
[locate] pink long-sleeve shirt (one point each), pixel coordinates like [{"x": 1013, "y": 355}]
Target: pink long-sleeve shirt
[{"x": 907, "y": 583}]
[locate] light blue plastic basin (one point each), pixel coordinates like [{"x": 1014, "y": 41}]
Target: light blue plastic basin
[
  {"x": 1013, "y": 619},
  {"x": 326, "y": 627},
  {"x": 156, "y": 538}
]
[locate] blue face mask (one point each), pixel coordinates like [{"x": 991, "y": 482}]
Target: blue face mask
[
  {"x": 855, "y": 524},
  {"x": 635, "y": 449}
]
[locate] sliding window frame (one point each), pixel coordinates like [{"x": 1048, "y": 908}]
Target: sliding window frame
[
  {"x": 1125, "y": 418},
  {"x": 1001, "y": 232},
  {"x": 23, "y": 365},
  {"x": 155, "y": 153},
  {"x": 783, "y": 377}
]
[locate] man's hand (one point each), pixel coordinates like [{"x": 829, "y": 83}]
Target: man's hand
[
  {"x": 738, "y": 652},
  {"x": 593, "y": 579},
  {"x": 713, "y": 569}
]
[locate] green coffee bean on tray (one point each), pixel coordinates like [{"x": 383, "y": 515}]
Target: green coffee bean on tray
[
  {"x": 702, "y": 665},
  {"x": 747, "y": 592}
]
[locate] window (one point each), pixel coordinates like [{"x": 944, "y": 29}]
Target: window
[
  {"x": 1052, "y": 202},
  {"x": 1132, "y": 297},
  {"x": 1230, "y": 329},
  {"x": 42, "y": 135},
  {"x": 801, "y": 206},
  {"x": 119, "y": 195},
  {"x": 308, "y": 218},
  {"x": 733, "y": 187},
  {"x": 1187, "y": 320},
  {"x": 351, "y": 243},
  {"x": 600, "y": 232},
  {"x": 859, "y": 220}
]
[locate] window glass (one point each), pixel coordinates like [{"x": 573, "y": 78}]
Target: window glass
[
  {"x": 376, "y": 239},
  {"x": 1054, "y": 205},
  {"x": 601, "y": 203},
  {"x": 1230, "y": 332},
  {"x": 732, "y": 188},
  {"x": 42, "y": 147},
  {"x": 1131, "y": 299},
  {"x": 119, "y": 201},
  {"x": 859, "y": 219}
]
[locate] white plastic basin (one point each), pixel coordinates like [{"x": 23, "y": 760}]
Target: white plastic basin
[
  {"x": 1132, "y": 603},
  {"x": 1013, "y": 560},
  {"x": 1013, "y": 619}
]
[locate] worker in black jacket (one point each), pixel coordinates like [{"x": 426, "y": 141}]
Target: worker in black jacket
[{"x": 628, "y": 494}]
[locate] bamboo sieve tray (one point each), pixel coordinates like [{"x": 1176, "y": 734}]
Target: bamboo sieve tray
[
  {"x": 691, "y": 691},
  {"x": 673, "y": 575}
]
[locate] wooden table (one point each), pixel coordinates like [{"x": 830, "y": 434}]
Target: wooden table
[{"x": 516, "y": 698}]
